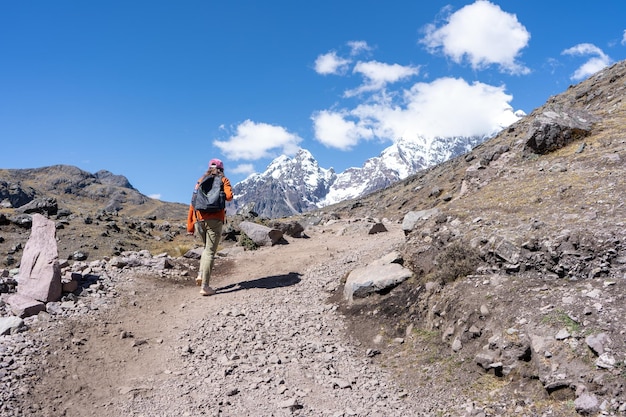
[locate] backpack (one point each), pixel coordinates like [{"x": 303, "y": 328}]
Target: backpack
[{"x": 209, "y": 195}]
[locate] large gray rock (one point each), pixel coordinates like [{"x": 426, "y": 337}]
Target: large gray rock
[
  {"x": 40, "y": 275},
  {"x": 261, "y": 235},
  {"x": 382, "y": 274},
  {"x": 555, "y": 129},
  {"x": 291, "y": 228},
  {"x": 413, "y": 217}
]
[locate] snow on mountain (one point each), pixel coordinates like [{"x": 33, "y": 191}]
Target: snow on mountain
[
  {"x": 288, "y": 186},
  {"x": 396, "y": 162},
  {"x": 294, "y": 185}
]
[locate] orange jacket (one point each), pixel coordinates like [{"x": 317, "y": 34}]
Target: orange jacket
[{"x": 194, "y": 215}]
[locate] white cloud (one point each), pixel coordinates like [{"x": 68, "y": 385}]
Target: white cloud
[
  {"x": 330, "y": 63},
  {"x": 259, "y": 140},
  {"x": 624, "y": 38},
  {"x": 334, "y": 130},
  {"x": 155, "y": 196},
  {"x": 378, "y": 74},
  {"x": 356, "y": 47},
  {"x": 245, "y": 169},
  {"x": 446, "y": 107},
  {"x": 593, "y": 64},
  {"x": 482, "y": 34}
]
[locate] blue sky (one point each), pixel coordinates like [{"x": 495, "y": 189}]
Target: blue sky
[{"x": 154, "y": 89}]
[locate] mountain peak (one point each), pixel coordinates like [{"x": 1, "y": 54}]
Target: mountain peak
[{"x": 288, "y": 186}]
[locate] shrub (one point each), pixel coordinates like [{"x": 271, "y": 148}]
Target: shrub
[
  {"x": 180, "y": 250},
  {"x": 457, "y": 260},
  {"x": 246, "y": 242}
]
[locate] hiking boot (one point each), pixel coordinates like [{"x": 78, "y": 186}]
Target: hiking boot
[
  {"x": 198, "y": 281},
  {"x": 207, "y": 291}
]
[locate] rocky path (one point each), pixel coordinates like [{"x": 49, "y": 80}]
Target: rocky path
[{"x": 268, "y": 344}]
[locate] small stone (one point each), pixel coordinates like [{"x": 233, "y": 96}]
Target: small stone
[
  {"x": 562, "y": 335},
  {"x": 484, "y": 311},
  {"x": 232, "y": 391},
  {"x": 586, "y": 404},
  {"x": 457, "y": 345},
  {"x": 341, "y": 383},
  {"x": 291, "y": 403},
  {"x": 605, "y": 361}
]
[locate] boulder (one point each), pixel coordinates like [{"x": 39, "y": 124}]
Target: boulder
[
  {"x": 291, "y": 228},
  {"x": 555, "y": 129},
  {"x": 507, "y": 251},
  {"x": 380, "y": 275},
  {"x": 261, "y": 235},
  {"x": 412, "y": 217}
]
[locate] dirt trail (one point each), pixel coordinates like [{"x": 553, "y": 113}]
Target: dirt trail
[{"x": 112, "y": 364}]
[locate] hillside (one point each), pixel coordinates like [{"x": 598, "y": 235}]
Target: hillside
[
  {"x": 97, "y": 215},
  {"x": 519, "y": 254}
]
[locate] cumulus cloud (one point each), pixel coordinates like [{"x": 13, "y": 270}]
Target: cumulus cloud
[
  {"x": 445, "y": 107},
  {"x": 155, "y": 196},
  {"x": 378, "y": 74},
  {"x": 330, "y": 63},
  {"x": 254, "y": 141},
  {"x": 598, "y": 61},
  {"x": 482, "y": 34},
  {"x": 245, "y": 169},
  {"x": 336, "y": 130}
]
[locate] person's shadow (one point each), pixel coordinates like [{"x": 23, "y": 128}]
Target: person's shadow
[{"x": 273, "y": 281}]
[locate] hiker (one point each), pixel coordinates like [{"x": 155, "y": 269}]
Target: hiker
[{"x": 207, "y": 224}]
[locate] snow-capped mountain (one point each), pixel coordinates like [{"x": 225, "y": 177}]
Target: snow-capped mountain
[
  {"x": 288, "y": 186},
  {"x": 296, "y": 185}
]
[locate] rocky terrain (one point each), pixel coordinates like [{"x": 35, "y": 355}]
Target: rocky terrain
[{"x": 515, "y": 306}]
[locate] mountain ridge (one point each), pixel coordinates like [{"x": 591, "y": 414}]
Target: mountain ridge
[{"x": 295, "y": 185}]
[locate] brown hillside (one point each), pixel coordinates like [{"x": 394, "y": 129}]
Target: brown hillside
[{"x": 97, "y": 214}]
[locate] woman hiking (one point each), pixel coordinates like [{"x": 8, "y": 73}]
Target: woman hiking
[{"x": 206, "y": 217}]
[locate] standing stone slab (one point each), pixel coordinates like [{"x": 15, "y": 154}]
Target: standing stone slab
[{"x": 40, "y": 275}]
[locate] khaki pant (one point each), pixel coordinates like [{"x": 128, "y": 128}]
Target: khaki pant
[{"x": 210, "y": 231}]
